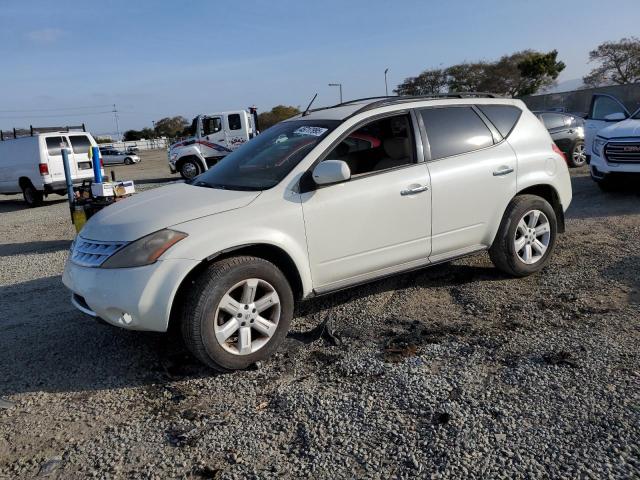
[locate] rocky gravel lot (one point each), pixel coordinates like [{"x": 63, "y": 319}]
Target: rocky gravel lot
[{"x": 451, "y": 372}]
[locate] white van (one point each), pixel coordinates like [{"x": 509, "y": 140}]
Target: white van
[
  {"x": 214, "y": 136},
  {"x": 33, "y": 164}
]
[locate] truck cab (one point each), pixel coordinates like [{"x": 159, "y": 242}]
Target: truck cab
[{"x": 213, "y": 137}]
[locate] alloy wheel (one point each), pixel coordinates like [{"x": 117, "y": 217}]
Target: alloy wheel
[
  {"x": 579, "y": 155},
  {"x": 247, "y": 316},
  {"x": 532, "y": 237}
]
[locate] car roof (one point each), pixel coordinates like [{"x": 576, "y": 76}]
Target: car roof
[{"x": 350, "y": 108}]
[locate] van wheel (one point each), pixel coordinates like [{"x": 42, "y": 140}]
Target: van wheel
[
  {"x": 189, "y": 169},
  {"x": 526, "y": 237},
  {"x": 32, "y": 197},
  {"x": 237, "y": 313}
]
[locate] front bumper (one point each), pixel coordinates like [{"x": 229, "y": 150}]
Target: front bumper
[
  {"x": 600, "y": 167},
  {"x": 137, "y": 298}
]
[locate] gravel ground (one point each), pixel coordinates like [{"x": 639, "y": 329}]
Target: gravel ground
[{"x": 451, "y": 372}]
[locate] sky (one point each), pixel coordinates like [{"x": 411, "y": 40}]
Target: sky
[{"x": 68, "y": 62}]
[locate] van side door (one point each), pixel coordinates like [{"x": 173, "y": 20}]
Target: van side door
[{"x": 602, "y": 106}]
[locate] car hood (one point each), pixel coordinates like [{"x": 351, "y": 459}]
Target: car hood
[
  {"x": 153, "y": 210},
  {"x": 626, "y": 128}
]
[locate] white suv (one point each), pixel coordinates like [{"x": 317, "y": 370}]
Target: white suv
[{"x": 328, "y": 199}]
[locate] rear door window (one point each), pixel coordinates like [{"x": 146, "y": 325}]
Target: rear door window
[
  {"x": 53, "y": 145},
  {"x": 503, "y": 117},
  {"x": 553, "y": 120},
  {"x": 80, "y": 143},
  {"x": 455, "y": 130}
]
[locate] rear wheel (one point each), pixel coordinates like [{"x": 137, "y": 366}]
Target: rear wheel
[
  {"x": 578, "y": 154},
  {"x": 189, "y": 169},
  {"x": 526, "y": 237},
  {"x": 238, "y": 313},
  {"x": 32, "y": 197}
]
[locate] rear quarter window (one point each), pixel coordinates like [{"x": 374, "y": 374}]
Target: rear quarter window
[
  {"x": 234, "y": 121},
  {"x": 503, "y": 117}
]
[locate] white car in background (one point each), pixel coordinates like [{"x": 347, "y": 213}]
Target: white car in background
[
  {"x": 326, "y": 200},
  {"x": 613, "y": 140}
]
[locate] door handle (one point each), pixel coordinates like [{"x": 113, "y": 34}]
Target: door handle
[
  {"x": 414, "y": 190},
  {"x": 502, "y": 171}
]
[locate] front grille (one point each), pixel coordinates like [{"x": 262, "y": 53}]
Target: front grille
[
  {"x": 93, "y": 253},
  {"x": 622, "y": 152}
]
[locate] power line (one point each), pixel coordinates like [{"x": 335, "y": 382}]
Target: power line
[{"x": 56, "y": 109}]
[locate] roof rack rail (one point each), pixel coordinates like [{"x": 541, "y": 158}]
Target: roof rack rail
[
  {"x": 392, "y": 100},
  {"x": 21, "y": 132}
]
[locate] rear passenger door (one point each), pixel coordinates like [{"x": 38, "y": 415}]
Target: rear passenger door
[
  {"x": 236, "y": 131},
  {"x": 473, "y": 175}
]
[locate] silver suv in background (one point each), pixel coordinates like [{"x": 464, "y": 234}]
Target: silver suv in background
[{"x": 328, "y": 199}]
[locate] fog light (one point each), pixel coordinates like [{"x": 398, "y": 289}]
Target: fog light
[{"x": 126, "y": 318}]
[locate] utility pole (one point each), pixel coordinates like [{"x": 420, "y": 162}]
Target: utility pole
[
  {"x": 337, "y": 85},
  {"x": 115, "y": 116},
  {"x": 386, "y": 89}
]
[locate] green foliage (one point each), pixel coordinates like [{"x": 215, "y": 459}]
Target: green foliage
[
  {"x": 134, "y": 135},
  {"x": 277, "y": 114},
  {"x": 618, "y": 63},
  {"x": 520, "y": 73},
  {"x": 170, "y": 126},
  {"x": 104, "y": 139}
]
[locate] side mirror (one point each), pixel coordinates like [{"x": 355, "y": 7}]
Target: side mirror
[
  {"x": 331, "y": 171},
  {"x": 615, "y": 117}
]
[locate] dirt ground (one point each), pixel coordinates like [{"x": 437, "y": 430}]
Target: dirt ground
[{"x": 450, "y": 372}]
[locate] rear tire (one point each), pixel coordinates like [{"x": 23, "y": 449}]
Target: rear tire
[
  {"x": 189, "y": 169},
  {"x": 526, "y": 237},
  {"x": 32, "y": 197},
  {"x": 237, "y": 313},
  {"x": 578, "y": 156}
]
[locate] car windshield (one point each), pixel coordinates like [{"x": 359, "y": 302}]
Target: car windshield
[{"x": 264, "y": 161}]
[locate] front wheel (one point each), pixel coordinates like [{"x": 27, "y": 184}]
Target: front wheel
[
  {"x": 578, "y": 154},
  {"x": 128, "y": 161},
  {"x": 189, "y": 169},
  {"x": 526, "y": 237},
  {"x": 237, "y": 313}
]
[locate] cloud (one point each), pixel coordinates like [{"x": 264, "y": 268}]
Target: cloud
[{"x": 45, "y": 35}]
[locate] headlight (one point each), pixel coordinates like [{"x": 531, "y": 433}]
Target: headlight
[
  {"x": 598, "y": 143},
  {"x": 145, "y": 250},
  {"x": 173, "y": 157}
]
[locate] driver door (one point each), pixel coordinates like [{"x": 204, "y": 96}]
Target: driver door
[
  {"x": 602, "y": 105},
  {"x": 213, "y": 131},
  {"x": 379, "y": 221}
]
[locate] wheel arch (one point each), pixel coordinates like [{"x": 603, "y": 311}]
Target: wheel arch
[
  {"x": 272, "y": 253},
  {"x": 191, "y": 156},
  {"x": 24, "y": 182},
  {"x": 550, "y": 194}
]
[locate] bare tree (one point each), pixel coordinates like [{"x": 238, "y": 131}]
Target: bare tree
[{"x": 618, "y": 63}]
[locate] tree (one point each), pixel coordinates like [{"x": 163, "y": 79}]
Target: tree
[
  {"x": 618, "y": 63},
  {"x": 428, "y": 82},
  {"x": 275, "y": 115},
  {"x": 520, "y": 73},
  {"x": 171, "y": 126},
  {"x": 134, "y": 135}
]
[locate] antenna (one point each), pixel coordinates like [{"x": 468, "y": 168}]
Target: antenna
[{"x": 306, "y": 112}]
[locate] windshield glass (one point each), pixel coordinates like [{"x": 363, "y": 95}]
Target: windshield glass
[{"x": 263, "y": 162}]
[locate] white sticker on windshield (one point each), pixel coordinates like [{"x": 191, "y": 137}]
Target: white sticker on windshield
[{"x": 313, "y": 131}]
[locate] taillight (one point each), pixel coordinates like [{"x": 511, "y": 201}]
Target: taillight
[
  {"x": 44, "y": 169},
  {"x": 559, "y": 152},
  {"x": 101, "y": 163}
]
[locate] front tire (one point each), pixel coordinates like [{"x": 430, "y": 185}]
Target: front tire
[
  {"x": 189, "y": 169},
  {"x": 32, "y": 197},
  {"x": 128, "y": 161},
  {"x": 237, "y": 313},
  {"x": 526, "y": 237}
]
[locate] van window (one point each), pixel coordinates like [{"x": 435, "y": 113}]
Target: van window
[
  {"x": 80, "y": 143},
  {"x": 53, "y": 145},
  {"x": 503, "y": 117},
  {"x": 234, "y": 122},
  {"x": 455, "y": 130}
]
